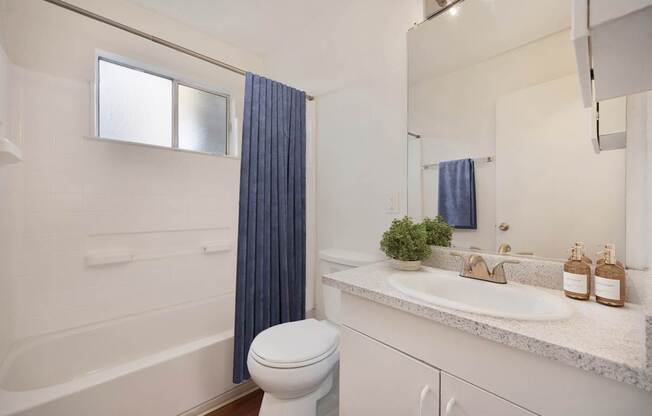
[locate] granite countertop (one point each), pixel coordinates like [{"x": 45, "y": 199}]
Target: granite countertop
[{"x": 607, "y": 341}]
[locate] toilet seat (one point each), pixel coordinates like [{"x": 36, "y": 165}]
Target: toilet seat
[
  {"x": 295, "y": 344},
  {"x": 290, "y": 365}
]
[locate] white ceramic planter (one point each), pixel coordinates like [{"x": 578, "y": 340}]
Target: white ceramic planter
[{"x": 404, "y": 265}]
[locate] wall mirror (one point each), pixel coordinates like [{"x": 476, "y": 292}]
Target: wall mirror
[{"x": 495, "y": 81}]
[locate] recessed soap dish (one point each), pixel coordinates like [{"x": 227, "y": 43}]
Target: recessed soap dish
[{"x": 9, "y": 152}]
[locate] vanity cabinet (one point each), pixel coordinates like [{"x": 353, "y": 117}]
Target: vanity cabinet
[
  {"x": 459, "y": 398},
  {"x": 378, "y": 380},
  {"x": 395, "y": 363}
]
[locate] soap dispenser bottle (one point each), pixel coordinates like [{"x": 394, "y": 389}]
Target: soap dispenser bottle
[
  {"x": 610, "y": 279},
  {"x": 577, "y": 276}
]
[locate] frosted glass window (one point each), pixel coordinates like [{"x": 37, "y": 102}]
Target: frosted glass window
[
  {"x": 141, "y": 106},
  {"x": 134, "y": 105},
  {"x": 203, "y": 120}
]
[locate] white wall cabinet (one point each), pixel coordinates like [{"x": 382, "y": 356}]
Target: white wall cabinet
[
  {"x": 612, "y": 41},
  {"x": 459, "y": 398},
  {"x": 378, "y": 380}
]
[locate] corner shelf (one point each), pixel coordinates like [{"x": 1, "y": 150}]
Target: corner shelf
[{"x": 9, "y": 152}]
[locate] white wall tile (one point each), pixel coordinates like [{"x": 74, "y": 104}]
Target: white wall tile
[{"x": 76, "y": 194}]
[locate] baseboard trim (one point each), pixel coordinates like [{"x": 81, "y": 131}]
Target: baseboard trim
[{"x": 221, "y": 400}]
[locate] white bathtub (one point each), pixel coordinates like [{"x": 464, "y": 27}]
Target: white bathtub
[{"x": 163, "y": 362}]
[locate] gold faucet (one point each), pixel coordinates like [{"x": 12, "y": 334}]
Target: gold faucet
[
  {"x": 504, "y": 248},
  {"x": 476, "y": 268}
]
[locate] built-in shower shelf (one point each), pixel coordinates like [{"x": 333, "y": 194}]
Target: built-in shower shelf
[
  {"x": 100, "y": 258},
  {"x": 9, "y": 152},
  {"x": 216, "y": 247},
  {"x": 125, "y": 255}
]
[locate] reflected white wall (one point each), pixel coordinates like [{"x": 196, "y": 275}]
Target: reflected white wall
[
  {"x": 455, "y": 113},
  {"x": 414, "y": 179}
]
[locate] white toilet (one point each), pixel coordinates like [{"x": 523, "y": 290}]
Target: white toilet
[{"x": 296, "y": 363}]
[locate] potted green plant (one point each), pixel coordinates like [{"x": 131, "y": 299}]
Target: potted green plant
[
  {"x": 440, "y": 233},
  {"x": 406, "y": 243}
]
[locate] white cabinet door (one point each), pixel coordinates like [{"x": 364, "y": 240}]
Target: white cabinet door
[
  {"x": 378, "y": 380},
  {"x": 459, "y": 398}
]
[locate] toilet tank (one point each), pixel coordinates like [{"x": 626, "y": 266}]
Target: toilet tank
[{"x": 334, "y": 260}]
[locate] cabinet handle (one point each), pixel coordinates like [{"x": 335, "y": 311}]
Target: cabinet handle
[
  {"x": 422, "y": 398},
  {"x": 449, "y": 407}
]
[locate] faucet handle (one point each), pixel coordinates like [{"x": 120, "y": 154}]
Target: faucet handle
[
  {"x": 498, "y": 272},
  {"x": 478, "y": 267}
]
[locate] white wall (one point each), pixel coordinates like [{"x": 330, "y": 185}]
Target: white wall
[
  {"x": 76, "y": 195},
  {"x": 4, "y": 93},
  {"x": 455, "y": 114},
  {"x": 356, "y": 66},
  {"x": 648, "y": 202},
  {"x": 10, "y": 178}
]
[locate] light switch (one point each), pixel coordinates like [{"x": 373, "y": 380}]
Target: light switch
[{"x": 394, "y": 203}]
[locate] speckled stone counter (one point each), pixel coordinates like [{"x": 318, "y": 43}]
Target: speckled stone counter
[{"x": 607, "y": 341}]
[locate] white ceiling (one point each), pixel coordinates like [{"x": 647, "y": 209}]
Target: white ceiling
[
  {"x": 258, "y": 26},
  {"x": 320, "y": 38},
  {"x": 319, "y": 46}
]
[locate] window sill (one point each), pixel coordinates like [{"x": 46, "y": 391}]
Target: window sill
[{"x": 154, "y": 146}]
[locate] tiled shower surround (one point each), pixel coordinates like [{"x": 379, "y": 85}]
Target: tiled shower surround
[{"x": 72, "y": 196}]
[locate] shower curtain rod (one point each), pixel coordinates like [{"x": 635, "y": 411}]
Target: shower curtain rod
[{"x": 152, "y": 38}]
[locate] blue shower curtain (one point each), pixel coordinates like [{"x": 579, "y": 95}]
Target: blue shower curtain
[{"x": 271, "y": 268}]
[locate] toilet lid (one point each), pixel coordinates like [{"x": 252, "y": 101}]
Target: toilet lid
[{"x": 295, "y": 344}]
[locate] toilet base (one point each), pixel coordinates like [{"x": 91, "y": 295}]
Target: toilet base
[{"x": 300, "y": 406}]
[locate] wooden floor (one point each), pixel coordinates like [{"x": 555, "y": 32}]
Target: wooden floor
[{"x": 244, "y": 406}]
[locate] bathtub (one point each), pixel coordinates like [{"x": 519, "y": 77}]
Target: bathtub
[{"x": 163, "y": 362}]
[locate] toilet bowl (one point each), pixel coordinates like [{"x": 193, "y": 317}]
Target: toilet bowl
[{"x": 296, "y": 363}]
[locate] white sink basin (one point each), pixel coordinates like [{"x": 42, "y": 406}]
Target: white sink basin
[{"x": 448, "y": 289}]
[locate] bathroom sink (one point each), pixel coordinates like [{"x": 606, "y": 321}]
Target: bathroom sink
[{"x": 448, "y": 289}]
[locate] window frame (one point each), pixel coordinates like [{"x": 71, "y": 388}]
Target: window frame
[{"x": 176, "y": 81}]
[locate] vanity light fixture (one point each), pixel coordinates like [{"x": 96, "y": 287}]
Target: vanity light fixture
[{"x": 432, "y": 8}]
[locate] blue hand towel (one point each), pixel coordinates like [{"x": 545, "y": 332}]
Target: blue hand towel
[{"x": 457, "y": 193}]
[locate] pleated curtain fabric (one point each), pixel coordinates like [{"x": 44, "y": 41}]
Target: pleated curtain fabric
[{"x": 271, "y": 267}]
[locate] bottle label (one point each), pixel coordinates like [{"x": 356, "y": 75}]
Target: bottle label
[
  {"x": 607, "y": 288},
  {"x": 576, "y": 283}
]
